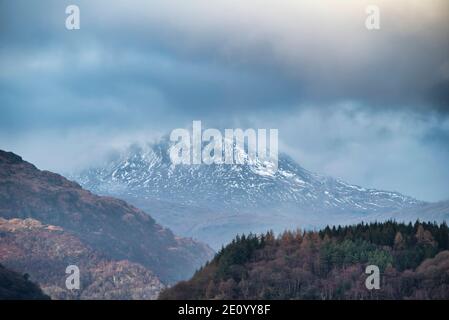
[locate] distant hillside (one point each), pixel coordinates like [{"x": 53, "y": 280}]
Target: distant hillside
[
  {"x": 438, "y": 212},
  {"x": 110, "y": 226},
  {"x": 330, "y": 264},
  {"x": 14, "y": 286},
  {"x": 44, "y": 252}
]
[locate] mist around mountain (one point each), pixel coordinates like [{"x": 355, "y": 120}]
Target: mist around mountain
[
  {"x": 50, "y": 222},
  {"x": 215, "y": 202},
  {"x": 413, "y": 261},
  {"x": 438, "y": 211}
]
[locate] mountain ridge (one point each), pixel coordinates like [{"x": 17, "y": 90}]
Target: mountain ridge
[
  {"x": 215, "y": 202},
  {"x": 108, "y": 225}
]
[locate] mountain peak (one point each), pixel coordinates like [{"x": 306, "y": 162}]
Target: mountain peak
[{"x": 201, "y": 199}]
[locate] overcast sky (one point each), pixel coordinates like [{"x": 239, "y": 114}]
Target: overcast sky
[{"x": 369, "y": 107}]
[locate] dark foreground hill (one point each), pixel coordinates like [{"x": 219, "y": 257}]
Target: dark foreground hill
[
  {"x": 330, "y": 264},
  {"x": 110, "y": 226},
  {"x": 15, "y": 286}
]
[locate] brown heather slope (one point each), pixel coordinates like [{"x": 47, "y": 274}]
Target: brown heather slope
[
  {"x": 44, "y": 252},
  {"x": 110, "y": 226}
]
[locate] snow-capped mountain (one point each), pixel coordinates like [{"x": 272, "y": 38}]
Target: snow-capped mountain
[{"x": 215, "y": 202}]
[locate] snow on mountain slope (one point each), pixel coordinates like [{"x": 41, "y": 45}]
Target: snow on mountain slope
[{"x": 235, "y": 198}]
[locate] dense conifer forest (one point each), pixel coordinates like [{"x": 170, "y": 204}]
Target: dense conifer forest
[{"x": 329, "y": 264}]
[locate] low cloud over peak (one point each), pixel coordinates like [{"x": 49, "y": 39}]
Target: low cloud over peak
[{"x": 140, "y": 67}]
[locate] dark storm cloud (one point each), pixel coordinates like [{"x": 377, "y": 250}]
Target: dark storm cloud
[
  {"x": 211, "y": 59},
  {"x": 139, "y": 67},
  {"x": 439, "y": 96}
]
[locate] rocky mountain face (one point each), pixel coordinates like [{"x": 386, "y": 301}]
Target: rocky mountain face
[
  {"x": 110, "y": 226},
  {"x": 15, "y": 286},
  {"x": 44, "y": 252},
  {"x": 215, "y": 202}
]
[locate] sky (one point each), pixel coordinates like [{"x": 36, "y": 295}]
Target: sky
[{"x": 370, "y": 107}]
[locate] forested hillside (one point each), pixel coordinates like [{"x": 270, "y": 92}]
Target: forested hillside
[
  {"x": 109, "y": 226},
  {"x": 44, "y": 251},
  {"x": 329, "y": 264}
]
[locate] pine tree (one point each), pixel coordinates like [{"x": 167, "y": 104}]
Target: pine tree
[{"x": 399, "y": 242}]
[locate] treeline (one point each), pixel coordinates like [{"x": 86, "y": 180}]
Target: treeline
[{"x": 327, "y": 264}]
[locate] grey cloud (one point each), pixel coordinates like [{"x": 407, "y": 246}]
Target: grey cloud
[
  {"x": 137, "y": 68},
  {"x": 261, "y": 57}
]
